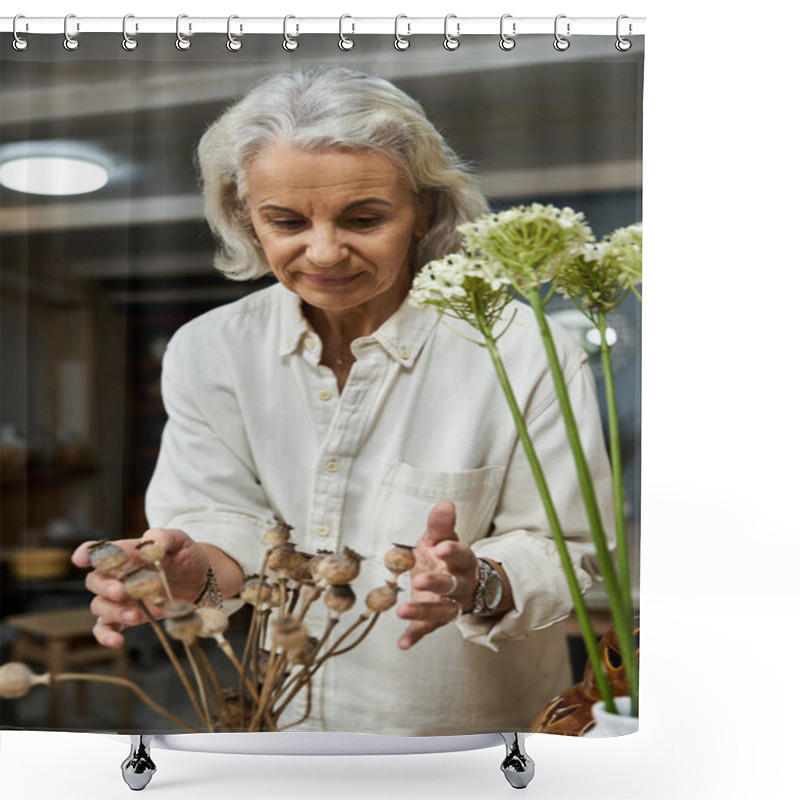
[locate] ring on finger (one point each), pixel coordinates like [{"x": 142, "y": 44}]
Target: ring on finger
[
  {"x": 447, "y": 595},
  {"x": 455, "y": 603}
]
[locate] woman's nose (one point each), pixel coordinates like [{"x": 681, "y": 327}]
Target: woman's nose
[{"x": 324, "y": 248}]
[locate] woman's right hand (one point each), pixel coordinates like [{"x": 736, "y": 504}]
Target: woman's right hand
[{"x": 185, "y": 564}]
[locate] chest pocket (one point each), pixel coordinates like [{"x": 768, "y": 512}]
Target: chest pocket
[{"x": 407, "y": 494}]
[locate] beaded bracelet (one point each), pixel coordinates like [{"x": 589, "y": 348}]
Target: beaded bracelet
[{"x": 211, "y": 595}]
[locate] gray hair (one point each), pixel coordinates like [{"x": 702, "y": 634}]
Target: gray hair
[{"x": 319, "y": 108}]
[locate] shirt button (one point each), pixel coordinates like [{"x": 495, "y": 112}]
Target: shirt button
[
  {"x": 309, "y": 343},
  {"x": 404, "y": 352},
  {"x": 324, "y": 395},
  {"x": 323, "y": 530},
  {"x": 287, "y": 342},
  {"x": 332, "y": 465}
]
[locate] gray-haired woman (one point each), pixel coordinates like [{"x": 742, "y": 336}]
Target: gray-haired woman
[{"x": 328, "y": 401}]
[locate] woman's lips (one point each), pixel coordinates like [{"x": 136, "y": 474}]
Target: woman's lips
[{"x": 329, "y": 281}]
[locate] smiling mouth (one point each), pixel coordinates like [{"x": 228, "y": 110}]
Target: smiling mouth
[{"x": 327, "y": 282}]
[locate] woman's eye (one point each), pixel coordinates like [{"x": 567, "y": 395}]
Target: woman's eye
[
  {"x": 286, "y": 224},
  {"x": 365, "y": 222}
]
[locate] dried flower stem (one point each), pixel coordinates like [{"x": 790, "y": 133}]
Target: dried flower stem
[
  {"x": 226, "y": 648},
  {"x": 212, "y": 676},
  {"x": 295, "y": 592},
  {"x": 332, "y": 622},
  {"x": 79, "y": 676},
  {"x": 304, "y": 677},
  {"x": 282, "y": 587},
  {"x": 307, "y": 711},
  {"x": 266, "y": 690},
  {"x": 164, "y": 582},
  {"x": 334, "y": 652},
  {"x": 206, "y": 716},
  {"x": 173, "y": 658}
]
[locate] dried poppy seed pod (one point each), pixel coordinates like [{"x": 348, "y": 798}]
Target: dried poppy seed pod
[
  {"x": 382, "y": 598},
  {"x": 183, "y": 621},
  {"x": 142, "y": 583},
  {"x": 313, "y": 564},
  {"x": 150, "y": 552},
  {"x": 301, "y": 571},
  {"x": 278, "y": 535},
  {"x": 106, "y": 556},
  {"x": 289, "y": 634},
  {"x": 339, "y": 598},
  {"x": 399, "y": 559},
  {"x": 214, "y": 623},
  {"x": 17, "y": 678},
  {"x": 305, "y": 656},
  {"x": 339, "y": 569},
  {"x": 284, "y": 560},
  {"x": 256, "y": 591}
]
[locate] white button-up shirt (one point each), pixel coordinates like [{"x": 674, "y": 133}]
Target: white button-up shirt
[{"x": 258, "y": 429}]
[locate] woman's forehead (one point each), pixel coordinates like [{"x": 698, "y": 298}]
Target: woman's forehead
[{"x": 285, "y": 174}]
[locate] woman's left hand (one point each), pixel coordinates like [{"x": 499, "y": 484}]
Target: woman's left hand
[{"x": 443, "y": 580}]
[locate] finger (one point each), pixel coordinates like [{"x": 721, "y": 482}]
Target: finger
[
  {"x": 119, "y": 614},
  {"x": 104, "y": 585},
  {"x": 170, "y": 540},
  {"x": 107, "y": 635},
  {"x": 80, "y": 556},
  {"x": 434, "y": 612},
  {"x": 454, "y": 555},
  {"x": 436, "y": 615},
  {"x": 413, "y": 633},
  {"x": 439, "y": 582},
  {"x": 441, "y": 524}
]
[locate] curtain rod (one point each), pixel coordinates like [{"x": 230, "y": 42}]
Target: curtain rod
[{"x": 403, "y": 26}]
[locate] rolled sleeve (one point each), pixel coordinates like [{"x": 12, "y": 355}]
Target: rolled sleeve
[{"x": 205, "y": 482}]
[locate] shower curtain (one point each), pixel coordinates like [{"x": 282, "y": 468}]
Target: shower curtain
[{"x": 115, "y": 320}]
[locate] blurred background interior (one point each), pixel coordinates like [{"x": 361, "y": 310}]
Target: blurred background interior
[{"x": 94, "y": 281}]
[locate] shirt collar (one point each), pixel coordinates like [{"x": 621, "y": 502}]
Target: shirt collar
[{"x": 402, "y": 335}]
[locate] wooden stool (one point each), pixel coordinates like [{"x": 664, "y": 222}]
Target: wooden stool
[{"x": 61, "y": 640}]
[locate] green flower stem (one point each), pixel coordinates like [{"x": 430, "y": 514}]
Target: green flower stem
[
  {"x": 623, "y": 621},
  {"x": 616, "y": 464},
  {"x": 631, "y": 668},
  {"x": 578, "y": 600}
]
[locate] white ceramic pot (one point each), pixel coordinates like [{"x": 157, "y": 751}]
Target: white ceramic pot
[{"x": 607, "y": 725}]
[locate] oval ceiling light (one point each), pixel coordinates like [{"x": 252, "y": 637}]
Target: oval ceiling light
[{"x": 53, "y": 175}]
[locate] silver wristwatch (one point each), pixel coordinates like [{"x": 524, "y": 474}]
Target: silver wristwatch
[{"x": 488, "y": 592}]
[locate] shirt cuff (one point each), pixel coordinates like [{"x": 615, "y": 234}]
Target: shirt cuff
[{"x": 539, "y": 586}]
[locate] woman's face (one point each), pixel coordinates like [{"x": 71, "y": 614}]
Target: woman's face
[{"x": 336, "y": 227}]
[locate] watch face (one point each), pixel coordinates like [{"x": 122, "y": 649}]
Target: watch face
[{"x": 493, "y": 592}]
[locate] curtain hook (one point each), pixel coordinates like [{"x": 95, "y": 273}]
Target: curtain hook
[
  {"x": 181, "y": 42},
  {"x": 289, "y": 42},
  {"x": 400, "y": 42},
  {"x": 129, "y": 42},
  {"x": 345, "y": 42},
  {"x": 233, "y": 44},
  {"x": 507, "y": 42},
  {"x": 561, "y": 43},
  {"x": 19, "y": 43},
  {"x": 70, "y": 42},
  {"x": 451, "y": 42},
  {"x": 623, "y": 44}
]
